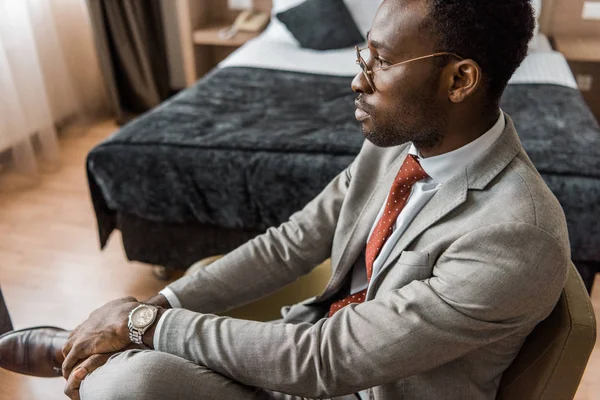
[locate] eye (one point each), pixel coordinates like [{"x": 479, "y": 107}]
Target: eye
[{"x": 381, "y": 62}]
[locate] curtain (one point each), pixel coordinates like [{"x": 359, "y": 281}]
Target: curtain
[
  {"x": 130, "y": 38},
  {"x": 43, "y": 88}
]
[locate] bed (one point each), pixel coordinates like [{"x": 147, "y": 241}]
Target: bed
[{"x": 263, "y": 133}]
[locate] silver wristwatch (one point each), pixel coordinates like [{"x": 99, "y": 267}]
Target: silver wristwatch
[{"x": 140, "y": 319}]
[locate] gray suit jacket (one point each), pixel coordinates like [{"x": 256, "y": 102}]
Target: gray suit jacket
[{"x": 477, "y": 269}]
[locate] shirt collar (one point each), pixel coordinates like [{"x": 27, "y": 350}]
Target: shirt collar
[{"x": 445, "y": 166}]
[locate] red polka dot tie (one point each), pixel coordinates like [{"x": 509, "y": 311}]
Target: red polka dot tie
[{"x": 410, "y": 173}]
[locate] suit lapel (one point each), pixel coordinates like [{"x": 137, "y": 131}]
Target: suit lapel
[
  {"x": 449, "y": 197},
  {"x": 359, "y": 233}
]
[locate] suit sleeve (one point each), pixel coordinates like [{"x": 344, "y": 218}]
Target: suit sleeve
[
  {"x": 270, "y": 261},
  {"x": 485, "y": 287}
]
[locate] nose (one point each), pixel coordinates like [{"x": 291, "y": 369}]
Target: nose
[{"x": 360, "y": 84}]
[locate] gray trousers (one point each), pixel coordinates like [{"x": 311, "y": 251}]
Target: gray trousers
[{"x": 150, "y": 375}]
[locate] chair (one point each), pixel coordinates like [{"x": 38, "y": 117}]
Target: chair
[
  {"x": 548, "y": 367},
  {"x": 553, "y": 358}
]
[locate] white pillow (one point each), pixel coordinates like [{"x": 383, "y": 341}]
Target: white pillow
[
  {"x": 362, "y": 11},
  {"x": 537, "y": 5}
]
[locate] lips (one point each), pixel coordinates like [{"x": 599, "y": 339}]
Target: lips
[{"x": 360, "y": 113}]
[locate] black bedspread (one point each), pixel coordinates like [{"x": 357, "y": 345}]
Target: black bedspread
[{"x": 244, "y": 148}]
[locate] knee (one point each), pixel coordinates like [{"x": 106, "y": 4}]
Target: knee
[
  {"x": 150, "y": 375},
  {"x": 128, "y": 375}
]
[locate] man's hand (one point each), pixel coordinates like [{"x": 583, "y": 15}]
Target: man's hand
[
  {"x": 86, "y": 367},
  {"x": 105, "y": 331},
  {"x": 81, "y": 371}
]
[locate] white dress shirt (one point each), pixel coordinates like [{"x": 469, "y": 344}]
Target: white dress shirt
[{"x": 440, "y": 170}]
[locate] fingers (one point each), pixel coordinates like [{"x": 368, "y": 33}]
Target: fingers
[
  {"x": 85, "y": 368},
  {"x": 72, "y": 358},
  {"x": 68, "y": 345},
  {"x": 103, "y": 332},
  {"x": 71, "y": 340}
]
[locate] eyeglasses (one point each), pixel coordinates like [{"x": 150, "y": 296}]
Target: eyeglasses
[{"x": 369, "y": 72}]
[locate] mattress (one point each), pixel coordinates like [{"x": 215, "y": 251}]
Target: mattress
[{"x": 237, "y": 151}]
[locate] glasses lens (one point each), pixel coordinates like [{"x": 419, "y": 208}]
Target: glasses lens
[{"x": 363, "y": 65}]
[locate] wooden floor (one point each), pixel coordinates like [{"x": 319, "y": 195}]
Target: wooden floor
[{"x": 52, "y": 272}]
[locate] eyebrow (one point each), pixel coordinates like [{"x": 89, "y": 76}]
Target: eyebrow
[{"x": 376, "y": 44}]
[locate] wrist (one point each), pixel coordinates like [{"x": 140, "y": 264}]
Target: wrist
[
  {"x": 148, "y": 337},
  {"x": 159, "y": 300}
]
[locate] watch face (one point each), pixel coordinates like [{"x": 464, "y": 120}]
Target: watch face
[{"x": 142, "y": 317}]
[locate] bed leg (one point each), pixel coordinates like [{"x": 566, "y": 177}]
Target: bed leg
[{"x": 161, "y": 273}]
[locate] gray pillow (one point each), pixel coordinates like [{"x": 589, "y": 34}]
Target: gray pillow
[{"x": 322, "y": 25}]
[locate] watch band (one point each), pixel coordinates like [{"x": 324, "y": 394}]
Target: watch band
[{"x": 136, "y": 335}]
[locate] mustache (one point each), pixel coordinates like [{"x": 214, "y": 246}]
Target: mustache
[{"x": 360, "y": 103}]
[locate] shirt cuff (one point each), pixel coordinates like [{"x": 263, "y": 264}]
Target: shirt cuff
[
  {"x": 171, "y": 298},
  {"x": 159, "y": 325}
]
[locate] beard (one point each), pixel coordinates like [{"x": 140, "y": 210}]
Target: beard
[
  {"x": 419, "y": 119},
  {"x": 426, "y": 134}
]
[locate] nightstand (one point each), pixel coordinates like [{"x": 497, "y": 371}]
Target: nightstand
[
  {"x": 192, "y": 35},
  {"x": 583, "y": 55},
  {"x": 211, "y": 49}
]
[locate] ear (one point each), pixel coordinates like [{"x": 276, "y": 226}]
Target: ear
[{"x": 465, "y": 77}]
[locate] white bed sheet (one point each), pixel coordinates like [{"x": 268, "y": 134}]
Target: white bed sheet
[
  {"x": 541, "y": 66},
  {"x": 549, "y": 67}
]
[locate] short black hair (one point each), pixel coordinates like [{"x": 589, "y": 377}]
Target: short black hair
[{"x": 494, "y": 33}]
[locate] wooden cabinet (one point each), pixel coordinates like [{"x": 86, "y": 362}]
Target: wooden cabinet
[
  {"x": 211, "y": 49},
  {"x": 583, "y": 55},
  {"x": 193, "y": 43}
]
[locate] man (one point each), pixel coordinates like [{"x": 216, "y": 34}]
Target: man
[{"x": 446, "y": 247}]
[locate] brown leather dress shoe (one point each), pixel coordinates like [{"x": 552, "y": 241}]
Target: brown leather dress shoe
[{"x": 33, "y": 351}]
